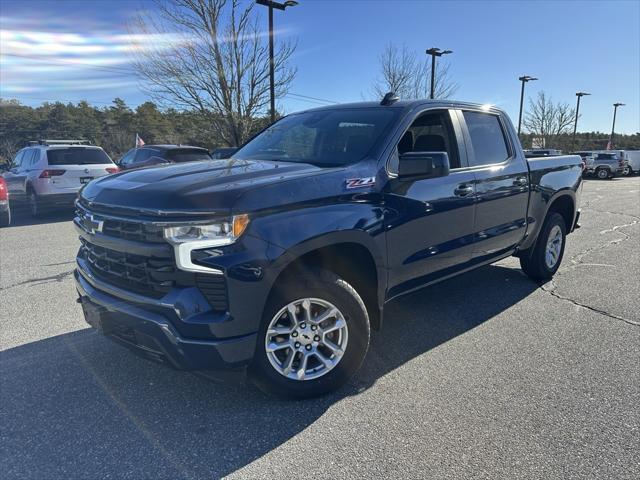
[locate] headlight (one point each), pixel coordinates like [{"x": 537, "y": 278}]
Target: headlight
[
  {"x": 187, "y": 238},
  {"x": 219, "y": 233}
]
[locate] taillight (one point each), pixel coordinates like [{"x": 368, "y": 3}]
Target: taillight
[
  {"x": 112, "y": 169},
  {"x": 51, "y": 173},
  {"x": 4, "y": 193}
]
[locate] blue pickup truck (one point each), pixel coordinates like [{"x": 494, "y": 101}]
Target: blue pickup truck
[{"x": 279, "y": 260}]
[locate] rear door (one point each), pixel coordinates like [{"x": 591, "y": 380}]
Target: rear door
[
  {"x": 501, "y": 184},
  {"x": 71, "y": 167},
  {"x": 429, "y": 222}
]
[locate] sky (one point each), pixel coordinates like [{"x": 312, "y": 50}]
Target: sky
[{"x": 71, "y": 50}]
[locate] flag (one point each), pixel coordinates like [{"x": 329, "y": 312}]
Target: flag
[{"x": 139, "y": 141}]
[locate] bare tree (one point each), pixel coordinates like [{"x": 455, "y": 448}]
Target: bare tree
[
  {"x": 218, "y": 66},
  {"x": 406, "y": 73},
  {"x": 547, "y": 120}
]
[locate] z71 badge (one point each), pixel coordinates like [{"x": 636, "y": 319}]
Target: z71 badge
[{"x": 361, "y": 182}]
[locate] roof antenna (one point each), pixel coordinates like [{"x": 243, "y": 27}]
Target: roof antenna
[{"x": 389, "y": 99}]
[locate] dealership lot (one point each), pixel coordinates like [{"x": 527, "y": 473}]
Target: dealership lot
[{"x": 487, "y": 376}]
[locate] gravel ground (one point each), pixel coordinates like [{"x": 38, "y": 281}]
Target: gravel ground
[{"x": 484, "y": 376}]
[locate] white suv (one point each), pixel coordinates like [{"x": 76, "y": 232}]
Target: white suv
[{"x": 51, "y": 172}]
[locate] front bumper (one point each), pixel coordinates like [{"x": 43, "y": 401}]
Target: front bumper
[{"x": 142, "y": 325}]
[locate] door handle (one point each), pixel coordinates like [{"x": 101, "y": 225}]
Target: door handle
[
  {"x": 521, "y": 181},
  {"x": 463, "y": 190}
]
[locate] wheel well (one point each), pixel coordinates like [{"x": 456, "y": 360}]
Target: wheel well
[
  {"x": 351, "y": 261},
  {"x": 564, "y": 206}
]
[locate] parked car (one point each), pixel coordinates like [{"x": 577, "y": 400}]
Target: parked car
[
  {"x": 542, "y": 152},
  {"x": 151, "y": 155},
  {"x": 223, "y": 152},
  {"x": 605, "y": 165},
  {"x": 633, "y": 161},
  {"x": 5, "y": 209},
  {"x": 281, "y": 260},
  {"x": 49, "y": 173}
]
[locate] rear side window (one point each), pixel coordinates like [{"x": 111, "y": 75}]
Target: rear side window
[
  {"x": 186, "y": 155},
  {"x": 487, "y": 138},
  {"x": 144, "y": 153},
  {"x": 77, "y": 156}
]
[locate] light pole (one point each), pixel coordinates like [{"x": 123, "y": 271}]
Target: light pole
[
  {"x": 272, "y": 88},
  {"x": 575, "y": 124},
  {"x": 435, "y": 52},
  {"x": 524, "y": 79},
  {"x": 613, "y": 127}
]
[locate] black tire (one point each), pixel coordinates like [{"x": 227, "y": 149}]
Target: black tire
[
  {"x": 5, "y": 218},
  {"x": 532, "y": 261},
  {"x": 35, "y": 207},
  {"x": 329, "y": 287},
  {"x": 603, "y": 174}
]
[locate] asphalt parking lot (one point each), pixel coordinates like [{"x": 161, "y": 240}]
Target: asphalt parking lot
[{"x": 488, "y": 375}]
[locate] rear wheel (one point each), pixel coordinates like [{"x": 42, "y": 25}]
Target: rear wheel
[
  {"x": 543, "y": 259},
  {"x": 313, "y": 338},
  {"x": 627, "y": 172}
]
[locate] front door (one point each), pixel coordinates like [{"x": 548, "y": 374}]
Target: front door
[{"x": 429, "y": 222}]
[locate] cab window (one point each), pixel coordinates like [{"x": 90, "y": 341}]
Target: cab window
[
  {"x": 430, "y": 132},
  {"x": 487, "y": 138}
]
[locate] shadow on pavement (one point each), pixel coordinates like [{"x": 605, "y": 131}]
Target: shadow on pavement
[
  {"x": 20, "y": 217},
  {"x": 79, "y": 406}
]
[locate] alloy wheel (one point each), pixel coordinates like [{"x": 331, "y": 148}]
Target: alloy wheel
[{"x": 306, "y": 339}]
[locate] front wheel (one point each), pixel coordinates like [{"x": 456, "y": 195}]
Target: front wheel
[
  {"x": 602, "y": 173},
  {"x": 543, "y": 259},
  {"x": 5, "y": 217},
  {"x": 313, "y": 337}
]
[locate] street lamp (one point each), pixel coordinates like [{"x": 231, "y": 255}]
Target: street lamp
[
  {"x": 524, "y": 79},
  {"x": 575, "y": 124},
  {"x": 613, "y": 127},
  {"x": 435, "y": 52},
  {"x": 272, "y": 89}
]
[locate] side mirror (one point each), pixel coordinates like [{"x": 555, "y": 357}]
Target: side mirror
[{"x": 423, "y": 165}]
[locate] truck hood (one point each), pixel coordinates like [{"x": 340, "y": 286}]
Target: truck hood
[{"x": 199, "y": 187}]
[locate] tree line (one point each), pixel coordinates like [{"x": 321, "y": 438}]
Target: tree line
[{"x": 113, "y": 127}]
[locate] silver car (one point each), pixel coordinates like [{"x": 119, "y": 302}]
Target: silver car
[{"x": 50, "y": 173}]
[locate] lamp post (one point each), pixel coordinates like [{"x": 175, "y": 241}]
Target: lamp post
[
  {"x": 613, "y": 127},
  {"x": 575, "y": 124},
  {"x": 272, "y": 89},
  {"x": 524, "y": 79},
  {"x": 435, "y": 52}
]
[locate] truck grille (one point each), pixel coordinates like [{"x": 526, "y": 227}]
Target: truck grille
[
  {"x": 152, "y": 277},
  {"x": 132, "y": 231},
  {"x": 149, "y": 276}
]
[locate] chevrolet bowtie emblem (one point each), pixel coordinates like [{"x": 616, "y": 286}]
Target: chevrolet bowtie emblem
[{"x": 93, "y": 224}]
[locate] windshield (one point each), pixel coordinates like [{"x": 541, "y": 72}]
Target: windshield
[
  {"x": 324, "y": 138},
  {"x": 185, "y": 155},
  {"x": 77, "y": 156}
]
